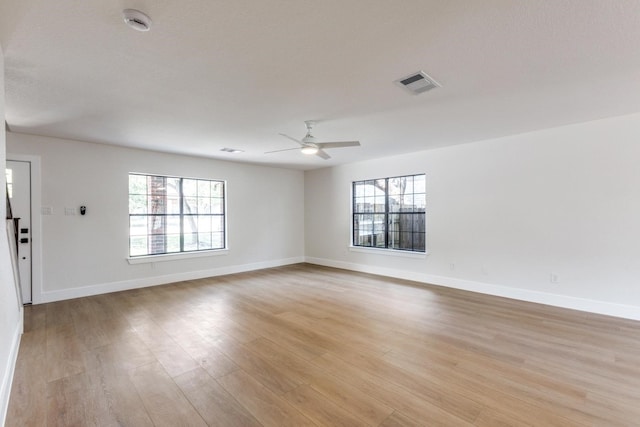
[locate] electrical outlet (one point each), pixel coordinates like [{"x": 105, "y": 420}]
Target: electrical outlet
[
  {"x": 47, "y": 210},
  {"x": 553, "y": 278},
  {"x": 452, "y": 266},
  {"x": 70, "y": 211}
]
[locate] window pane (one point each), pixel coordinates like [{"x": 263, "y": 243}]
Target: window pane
[
  {"x": 190, "y": 205},
  {"x": 394, "y": 222},
  {"x": 156, "y": 224},
  {"x": 157, "y": 244},
  {"x": 217, "y": 189},
  {"x": 419, "y": 184},
  {"x": 394, "y": 203},
  {"x": 190, "y": 223},
  {"x": 189, "y": 188},
  {"x": 138, "y": 245},
  {"x": 137, "y": 184},
  {"x": 173, "y": 243},
  {"x": 419, "y": 242},
  {"x": 406, "y": 241},
  {"x": 217, "y": 223},
  {"x": 204, "y": 224},
  {"x": 358, "y": 189},
  {"x": 396, "y": 186},
  {"x": 137, "y": 204},
  {"x": 173, "y": 224},
  {"x": 408, "y": 188},
  {"x": 204, "y": 205},
  {"x": 173, "y": 187},
  {"x": 217, "y": 206},
  {"x": 406, "y": 203},
  {"x": 157, "y": 185},
  {"x": 369, "y": 204},
  {"x": 379, "y": 230},
  {"x": 394, "y": 239},
  {"x": 380, "y": 204},
  {"x": 204, "y": 241},
  {"x": 217, "y": 240},
  {"x": 418, "y": 223},
  {"x": 191, "y": 241},
  {"x": 204, "y": 189},
  {"x": 156, "y": 204},
  {"x": 419, "y": 202},
  {"x": 173, "y": 205},
  {"x": 137, "y": 226}
]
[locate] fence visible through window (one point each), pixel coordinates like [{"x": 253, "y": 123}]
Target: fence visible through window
[{"x": 390, "y": 213}]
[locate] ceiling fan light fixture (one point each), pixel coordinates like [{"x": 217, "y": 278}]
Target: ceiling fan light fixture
[{"x": 309, "y": 150}]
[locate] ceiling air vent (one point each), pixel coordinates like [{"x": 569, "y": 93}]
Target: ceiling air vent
[
  {"x": 231, "y": 150},
  {"x": 417, "y": 83}
]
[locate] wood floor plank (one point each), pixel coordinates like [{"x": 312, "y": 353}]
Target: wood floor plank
[
  {"x": 399, "y": 420},
  {"x": 125, "y": 354},
  {"x": 267, "y": 407},
  {"x": 393, "y": 395},
  {"x": 276, "y": 378},
  {"x": 301, "y": 370},
  {"x": 173, "y": 358},
  {"x": 348, "y": 397},
  {"x": 320, "y": 409},
  {"x": 216, "y": 406},
  {"x": 205, "y": 353},
  {"x": 113, "y": 387},
  {"x": 164, "y": 401},
  {"x": 63, "y": 354},
  {"x": 28, "y": 402}
]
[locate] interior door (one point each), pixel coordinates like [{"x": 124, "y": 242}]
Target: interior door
[{"x": 19, "y": 189}]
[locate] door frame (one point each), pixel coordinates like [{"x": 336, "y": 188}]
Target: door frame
[{"x": 36, "y": 223}]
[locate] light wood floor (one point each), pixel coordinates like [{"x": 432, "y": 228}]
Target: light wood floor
[{"x": 312, "y": 346}]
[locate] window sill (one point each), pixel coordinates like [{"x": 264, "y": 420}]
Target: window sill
[
  {"x": 388, "y": 252},
  {"x": 174, "y": 257}
]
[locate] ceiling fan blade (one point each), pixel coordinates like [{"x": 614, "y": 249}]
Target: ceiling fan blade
[
  {"x": 293, "y": 139},
  {"x": 323, "y": 154},
  {"x": 285, "y": 149},
  {"x": 338, "y": 144}
]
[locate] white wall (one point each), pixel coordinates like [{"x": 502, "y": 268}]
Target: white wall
[
  {"x": 508, "y": 213},
  {"x": 84, "y": 255},
  {"x": 10, "y": 311}
]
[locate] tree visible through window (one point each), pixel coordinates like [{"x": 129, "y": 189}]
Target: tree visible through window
[
  {"x": 389, "y": 213},
  {"x": 171, "y": 214}
]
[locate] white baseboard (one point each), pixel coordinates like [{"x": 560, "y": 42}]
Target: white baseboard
[
  {"x": 9, "y": 370},
  {"x": 125, "y": 285},
  {"x": 564, "y": 301}
]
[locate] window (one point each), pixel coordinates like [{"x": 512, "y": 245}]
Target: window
[
  {"x": 173, "y": 215},
  {"x": 389, "y": 213}
]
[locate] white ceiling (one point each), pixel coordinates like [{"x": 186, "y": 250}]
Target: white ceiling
[{"x": 235, "y": 73}]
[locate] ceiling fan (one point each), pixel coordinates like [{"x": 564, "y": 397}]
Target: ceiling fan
[{"x": 310, "y": 145}]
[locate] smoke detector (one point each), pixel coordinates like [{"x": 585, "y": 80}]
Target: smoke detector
[
  {"x": 136, "y": 20},
  {"x": 418, "y": 82}
]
